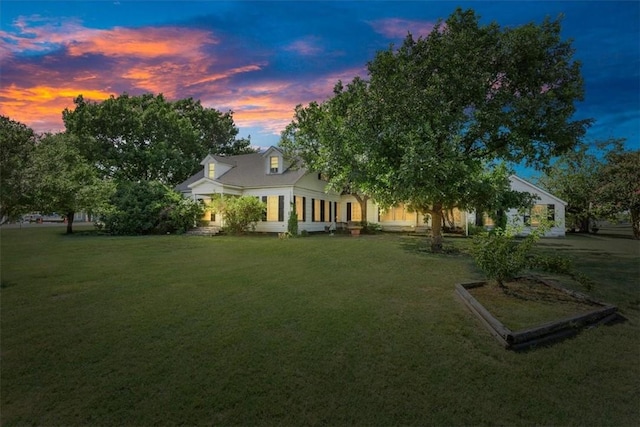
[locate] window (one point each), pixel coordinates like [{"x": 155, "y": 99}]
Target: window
[
  {"x": 212, "y": 171},
  {"x": 539, "y": 212},
  {"x": 273, "y": 164},
  {"x": 551, "y": 212},
  {"x": 272, "y": 208},
  {"x": 337, "y": 211},
  {"x": 317, "y": 210},
  {"x": 354, "y": 213},
  {"x": 396, "y": 213},
  {"x": 300, "y": 208}
]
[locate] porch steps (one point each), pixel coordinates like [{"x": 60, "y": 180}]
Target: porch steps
[{"x": 204, "y": 231}]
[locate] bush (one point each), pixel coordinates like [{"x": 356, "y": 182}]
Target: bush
[
  {"x": 370, "y": 227},
  {"x": 150, "y": 207},
  {"x": 292, "y": 225},
  {"x": 240, "y": 213},
  {"x": 502, "y": 256}
]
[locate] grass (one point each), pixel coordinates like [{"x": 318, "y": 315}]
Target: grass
[
  {"x": 261, "y": 331},
  {"x": 527, "y": 303}
]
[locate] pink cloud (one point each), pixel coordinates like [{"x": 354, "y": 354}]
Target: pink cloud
[
  {"x": 306, "y": 47},
  {"x": 399, "y": 28}
]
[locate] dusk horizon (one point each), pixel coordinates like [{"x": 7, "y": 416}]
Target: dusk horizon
[{"x": 261, "y": 59}]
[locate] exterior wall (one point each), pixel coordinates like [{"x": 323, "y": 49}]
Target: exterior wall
[
  {"x": 544, "y": 198},
  {"x": 308, "y": 187}
]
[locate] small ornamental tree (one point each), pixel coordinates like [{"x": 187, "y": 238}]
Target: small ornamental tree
[
  {"x": 240, "y": 213},
  {"x": 292, "y": 224},
  {"x": 502, "y": 256}
]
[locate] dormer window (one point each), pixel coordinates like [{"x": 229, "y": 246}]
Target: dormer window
[
  {"x": 273, "y": 164},
  {"x": 212, "y": 171}
]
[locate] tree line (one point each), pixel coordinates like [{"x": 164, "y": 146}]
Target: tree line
[
  {"x": 433, "y": 126},
  {"x": 118, "y": 159}
]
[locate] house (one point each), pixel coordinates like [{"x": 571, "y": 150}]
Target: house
[
  {"x": 282, "y": 187},
  {"x": 273, "y": 180},
  {"x": 547, "y": 206}
]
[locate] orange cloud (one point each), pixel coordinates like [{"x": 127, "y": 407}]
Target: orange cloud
[
  {"x": 37, "y": 34},
  {"x": 40, "y": 107}
]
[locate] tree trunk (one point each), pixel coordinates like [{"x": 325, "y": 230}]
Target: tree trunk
[
  {"x": 362, "y": 201},
  {"x": 436, "y": 228},
  {"x": 635, "y": 223},
  {"x": 584, "y": 225},
  {"x": 70, "y": 216}
]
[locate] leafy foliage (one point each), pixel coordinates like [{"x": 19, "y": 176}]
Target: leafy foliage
[
  {"x": 17, "y": 143},
  {"x": 502, "y": 256},
  {"x": 147, "y": 138},
  {"x": 240, "y": 213},
  {"x": 292, "y": 224},
  {"x": 435, "y": 112},
  {"x": 575, "y": 177},
  {"x": 61, "y": 180},
  {"x": 149, "y": 207},
  {"x": 619, "y": 186}
]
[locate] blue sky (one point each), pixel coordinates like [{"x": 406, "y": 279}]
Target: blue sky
[{"x": 261, "y": 59}]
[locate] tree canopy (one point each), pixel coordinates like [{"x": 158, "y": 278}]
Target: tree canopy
[
  {"x": 62, "y": 181},
  {"x": 147, "y": 138},
  {"x": 17, "y": 142},
  {"x": 437, "y": 111},
  {"x": 619, "y": 186},
  {"x": 575, "y": 178}
]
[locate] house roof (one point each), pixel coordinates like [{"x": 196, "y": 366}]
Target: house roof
[
  {"x": 248, "y": 170},
  {"x": 538, "y": 189}
]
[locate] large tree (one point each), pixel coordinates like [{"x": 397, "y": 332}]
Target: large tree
[
  {"x": 435, "y": 111},
  {"x": 147, "y": 138},
  {"x": 619, "y": 186},
  {"x": 61, "y": 180},
  {"x": 17, "y": 142},
  {"x": 575, "y": 177}
]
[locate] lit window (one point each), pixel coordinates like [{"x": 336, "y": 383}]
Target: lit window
[
  {"x": 300, "y": 208},
  {"x": 272, "y": 208},
  {"x": 212, "y": 170},
  {"x": 273, "y": 164}
]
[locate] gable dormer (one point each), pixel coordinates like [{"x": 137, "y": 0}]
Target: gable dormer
[
  {"x": 215, "y": 166},
  {"x": 274, "y": 161}
]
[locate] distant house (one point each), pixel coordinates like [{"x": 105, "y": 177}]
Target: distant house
[
  {"x": 273, "y": 180},
  {"x": 547, "y": 206}
]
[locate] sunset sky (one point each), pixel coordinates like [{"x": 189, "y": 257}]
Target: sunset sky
[{"x": 260, "y": 59}]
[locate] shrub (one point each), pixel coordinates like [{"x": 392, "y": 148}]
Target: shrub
[
  {"x": 502, "y": 256},
  {"x": 149, "y": 207},
  {"x": 292, "y": 225},
  {"x": 240, "y": 213},
  {"x": 370, "y": 227}
]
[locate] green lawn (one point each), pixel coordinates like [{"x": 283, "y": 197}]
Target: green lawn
[{"x": 261, "y": 331}]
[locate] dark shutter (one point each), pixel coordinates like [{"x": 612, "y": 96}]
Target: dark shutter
[
  {"x": 304, "y": 209},
  {"x": 330, "y": 212},
  {"x": 348, "y": 211},
  {"x": 313, "y": 210},
  {"x": 264, "y": 212},
  {"x": 551, "y": 212},
  {"x": 280, "y": 208},
  {"x": 322, "y": 204}
]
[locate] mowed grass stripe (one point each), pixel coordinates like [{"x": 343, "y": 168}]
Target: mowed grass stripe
[{"x": 261, "y": 331}]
